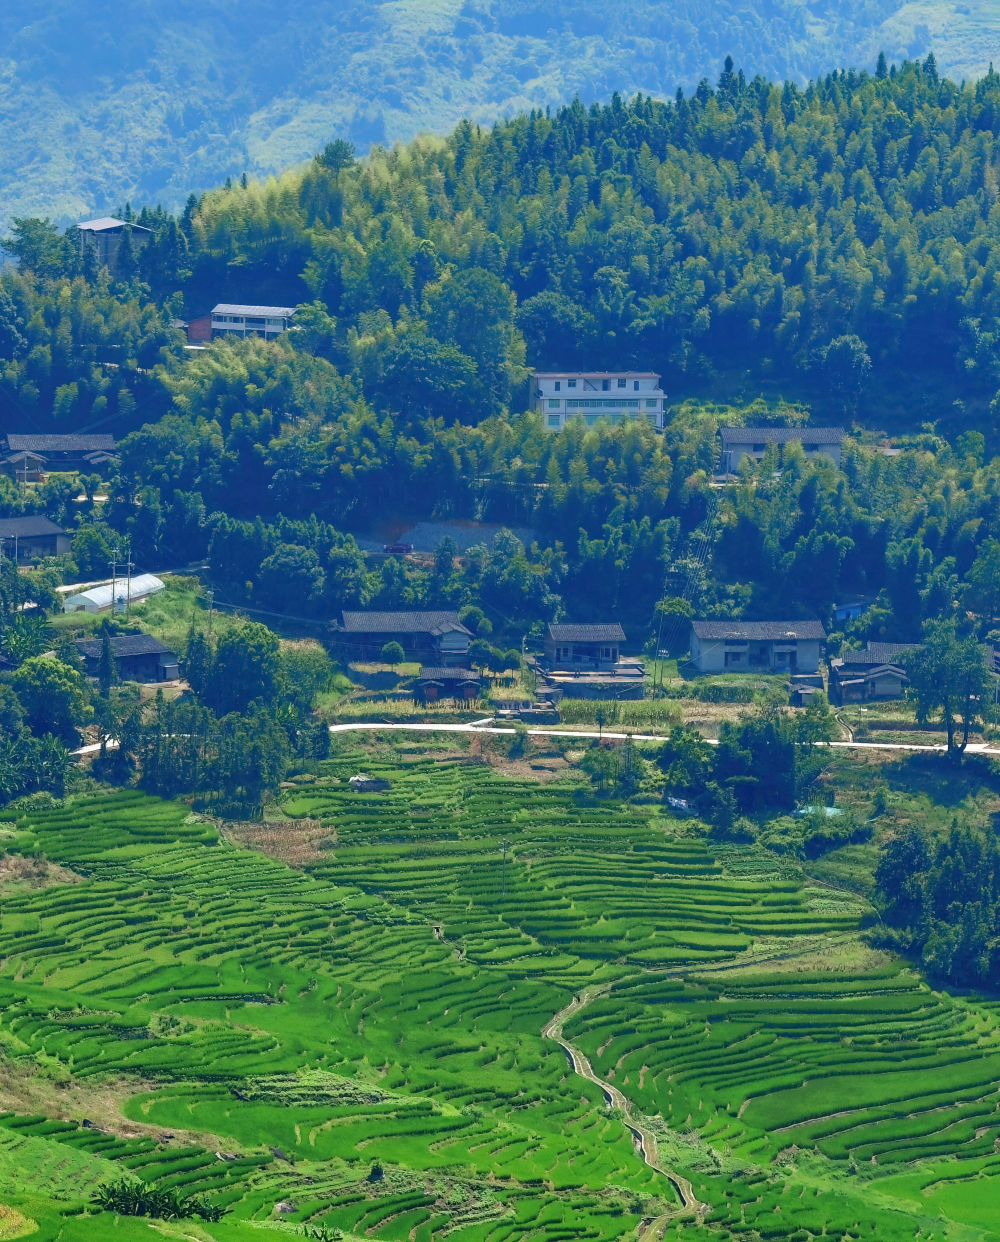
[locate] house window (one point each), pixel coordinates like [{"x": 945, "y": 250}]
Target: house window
[
  {"x": 553, "y": 420},
  {"x": 623, "y": 383},
  {"x": 556, "y": 385},
  {"x": 571, "y": 383},
  {"x": 650, "y": 403},
  {"x": 604, "y": 385},
  {"x": 635, "y": 385},
  {"x": 553, "y": 403}
]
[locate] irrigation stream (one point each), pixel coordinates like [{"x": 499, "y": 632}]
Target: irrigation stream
[{"x": 645, "y": 1139}]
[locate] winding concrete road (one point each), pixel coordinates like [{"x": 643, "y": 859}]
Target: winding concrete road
[
  {"x": 428, "y": 726},
  {"x": 653, "y": 1230},
  {"x": 479, "y": 726}
]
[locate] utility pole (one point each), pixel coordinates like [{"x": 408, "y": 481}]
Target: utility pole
[
  {"x": 129, "y": 566},
  {"x": 115, "y": 554}
]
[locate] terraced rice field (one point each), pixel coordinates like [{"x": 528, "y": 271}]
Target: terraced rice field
[{"x": 358, "y": 1046}]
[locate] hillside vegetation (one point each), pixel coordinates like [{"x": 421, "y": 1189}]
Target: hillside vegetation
[{"x": 166, "y": 99}]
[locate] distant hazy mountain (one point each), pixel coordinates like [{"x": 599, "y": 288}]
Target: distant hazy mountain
[{"x": 152, "y": 101}]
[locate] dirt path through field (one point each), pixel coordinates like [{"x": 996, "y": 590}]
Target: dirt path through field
[{"x": 653, "y": 1230}]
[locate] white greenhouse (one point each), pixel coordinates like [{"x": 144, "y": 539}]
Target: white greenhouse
[{"x": 126, "y": 591}]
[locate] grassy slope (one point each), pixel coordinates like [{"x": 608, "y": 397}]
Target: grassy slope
[
  {"x": 386, "y": 1006},
  {"x": 169, "y": 100}
]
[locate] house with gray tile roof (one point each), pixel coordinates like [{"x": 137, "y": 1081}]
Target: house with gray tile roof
[{"x": 783, "y": 647}]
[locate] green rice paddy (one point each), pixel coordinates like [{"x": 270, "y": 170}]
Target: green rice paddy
[{"x": 357, "y": 1046}]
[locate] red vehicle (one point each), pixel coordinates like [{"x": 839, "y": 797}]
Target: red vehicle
[{"x": 400, "y": 548}]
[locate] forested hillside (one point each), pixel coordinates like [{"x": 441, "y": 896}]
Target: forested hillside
[
  {"x": 165, "y": 99},
  {"x": 836, "y": 243}
]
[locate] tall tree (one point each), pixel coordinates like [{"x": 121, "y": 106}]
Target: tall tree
[{"x": 948, "y": 676}]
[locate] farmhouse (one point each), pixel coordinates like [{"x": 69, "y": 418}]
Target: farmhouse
[
  {"x": 756, "y": 646},
  {"x": 592, "y": 646},
  {"x": 439, "y": 638},
  {"x": 26, "y": 538},
  {"x": 447, "y": 683},
  {"x": 105, "y": 235},
  {"x": 237, "y": 319},
  {"x": 873, "y": 674},
  {"x": 40, "y": 454},
  {"x": 124, "y": 592},
  {"x": 585, "y": 661},
  {"x": 138, "y": 657},
  {"x": 753, "y": 442},
  {"x": 593, "y": 395}
]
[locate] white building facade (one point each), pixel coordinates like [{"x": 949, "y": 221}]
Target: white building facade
[
  {"x": 237, "y": 319},
  {"x": 611, "y": 396}
]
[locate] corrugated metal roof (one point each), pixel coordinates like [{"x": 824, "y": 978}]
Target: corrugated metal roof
[
  {"x": 781, "y": 435},
  {"x": 612, "y": 633},
  {"x": 27, "y": 527},
  {"x": 104, "y": 224},
  {"x": 254, "y": 312},
  {"x": 753, "y": 631}
]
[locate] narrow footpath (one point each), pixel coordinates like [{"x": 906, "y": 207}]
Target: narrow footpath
[{"x": 653, "y": 1230}]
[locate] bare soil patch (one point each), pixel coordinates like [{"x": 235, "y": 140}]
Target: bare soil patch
[
  {"x": 295, "y": 842},
  {"x": 34, "y": 873}
]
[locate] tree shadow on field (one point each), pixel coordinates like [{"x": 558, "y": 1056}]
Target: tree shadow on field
[{"x": 944, "y": 781}]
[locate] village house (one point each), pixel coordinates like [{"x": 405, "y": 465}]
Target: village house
[
  {"x": 787, "y": 647},
  {"x": 105, "y": 235},
  {"x": 237, "y": 319},
  {"x": 31, "y": 456},
  {"x": 28, "y": 538},
  {"x": 585, "y": 661},
  {"x": 574, "y": 646},
  {"x": 872, "y": 674},
  {"x": 433, "y": 684},
  {"x": 753, "y": 442},
  {"x": 438, "y": 638},
  {"x": 138, "y": 657},
  {"x": 593, "y": 395}
]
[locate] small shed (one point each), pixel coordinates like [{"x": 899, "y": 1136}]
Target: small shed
[
  {"x": 447, "y": 683},
  {"x": 139, "y": 657},
  {"x": 361, "y": 783},
  {"x": 125, "y": 591}
]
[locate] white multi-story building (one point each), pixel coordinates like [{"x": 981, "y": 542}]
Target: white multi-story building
[
  {"x": 229, "y": 318},
  {"x": 595, "y": 395}
]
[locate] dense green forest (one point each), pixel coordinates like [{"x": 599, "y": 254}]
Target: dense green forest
[
  {"x": 169, "y": 99},
  {"x": 837, "y": 242}
]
